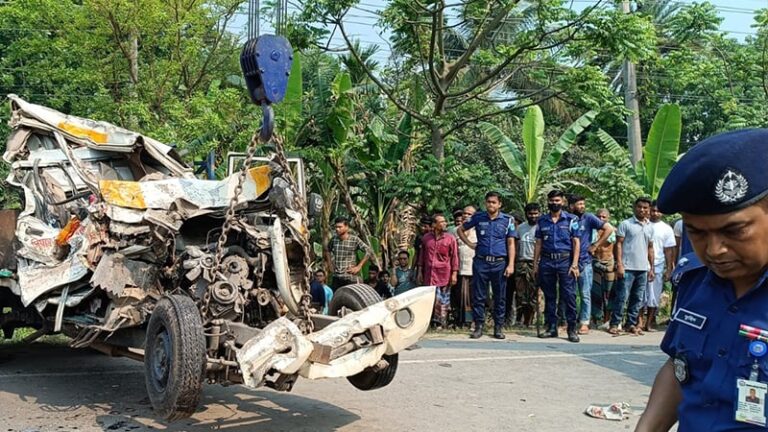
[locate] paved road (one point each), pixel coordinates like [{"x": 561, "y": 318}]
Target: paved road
[{"x": 450, "y": 384}]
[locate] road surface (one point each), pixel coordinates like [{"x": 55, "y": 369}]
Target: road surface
[{"x": 450, "y": 384}]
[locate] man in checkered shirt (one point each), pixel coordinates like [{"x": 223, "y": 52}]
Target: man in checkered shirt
[{"x": 343, "y": 248}]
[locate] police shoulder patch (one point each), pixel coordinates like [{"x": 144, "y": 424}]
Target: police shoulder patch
[{"x": 686, "y": 264}]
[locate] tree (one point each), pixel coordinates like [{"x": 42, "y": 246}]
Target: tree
[
  {"x": 531, "y": 166},
  {"x": 475, "y": 73}
]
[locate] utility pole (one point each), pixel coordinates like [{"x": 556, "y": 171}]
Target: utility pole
[{"x": 634, "y": 137}]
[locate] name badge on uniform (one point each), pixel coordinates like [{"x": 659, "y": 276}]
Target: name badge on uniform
[
  {"x": 750, "y": 405},
  {"x": 684, "y": 316}
]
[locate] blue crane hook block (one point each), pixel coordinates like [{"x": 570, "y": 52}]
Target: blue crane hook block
[{"x": 266, "y": 64}]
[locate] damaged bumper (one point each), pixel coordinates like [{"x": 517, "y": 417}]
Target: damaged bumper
[{"x": 345, "y": 347}]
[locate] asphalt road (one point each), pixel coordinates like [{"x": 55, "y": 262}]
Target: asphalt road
[{"x": 450, "y": 384}]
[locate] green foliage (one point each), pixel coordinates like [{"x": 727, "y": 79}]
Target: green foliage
[
  {"x": 527, "y": 166},
  {"x": 661, "y": 147},
  {"x": 441, "y": 185}
]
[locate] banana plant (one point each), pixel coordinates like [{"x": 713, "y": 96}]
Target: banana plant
[
  {"x": 659, "y": 154},
  {"x": 534, "y": 165}
]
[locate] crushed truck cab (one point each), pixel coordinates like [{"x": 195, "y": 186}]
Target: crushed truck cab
[{"x": 118, "y": 246}]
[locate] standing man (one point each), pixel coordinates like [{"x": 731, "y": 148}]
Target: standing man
[
  {"x": 439, "y": 266},
  {"x": 466, "y": 257},
  {"x": 343, "y": 248},
  {"x": 587, "y": 224},
  {"x": 604, "y": 275},
  {"x": 425, "y": 226},
  {"x": 556, "y": 262},
  {"x": 719, "y": 187},
  {"x": 494, "y": 261},
  {"x": 634, "y": 266},
  {"x": 663, "y": 263},
  {"x": 403, "y": 277},
  {"x": 526, "y": 290}
]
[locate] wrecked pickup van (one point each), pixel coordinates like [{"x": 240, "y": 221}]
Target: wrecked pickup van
[{"x": 120, "y": 247}]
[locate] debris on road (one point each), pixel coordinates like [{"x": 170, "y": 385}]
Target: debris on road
[{"x": 618, "y": 411}]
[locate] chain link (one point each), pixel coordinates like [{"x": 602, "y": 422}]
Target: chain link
[{"x": 229, "y": 217}]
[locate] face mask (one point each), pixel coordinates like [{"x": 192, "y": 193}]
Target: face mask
[{"x": 554, "y": 207}]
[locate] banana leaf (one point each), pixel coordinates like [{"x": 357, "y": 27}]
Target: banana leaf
[
  {"x": 508, "y": 150},
  {"x": 568, "y": 139},
  {"x": 662, "y": 146}
]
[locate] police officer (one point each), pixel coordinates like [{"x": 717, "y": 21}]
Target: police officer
[
  {"x": 556, "y": 259},
  {"x": 494, "y": 261},
  {"x": 716, "y": 339}
]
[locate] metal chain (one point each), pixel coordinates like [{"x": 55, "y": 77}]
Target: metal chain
[
  {"x": 305, "y": 304},
  {"x": 229, "y": 217}
]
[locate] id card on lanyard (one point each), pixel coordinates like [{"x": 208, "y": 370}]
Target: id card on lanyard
[{"x": 750, "y": 393}]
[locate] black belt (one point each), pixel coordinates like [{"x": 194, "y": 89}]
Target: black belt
[
  {"x": 556, "y": 256},
  {"x": 491, "y": 258}
]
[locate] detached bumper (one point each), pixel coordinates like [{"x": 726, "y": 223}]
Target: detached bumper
[{"x": 345, "y": 347}]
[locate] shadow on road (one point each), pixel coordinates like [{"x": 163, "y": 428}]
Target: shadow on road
[{"x": 78, "y": 385}]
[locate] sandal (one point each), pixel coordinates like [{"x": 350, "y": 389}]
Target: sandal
[
  {"x": 613, "y": 330},
  {"x": 635, "y": 331}
]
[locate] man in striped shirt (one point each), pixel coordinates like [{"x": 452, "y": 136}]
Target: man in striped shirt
[{"x": 343, "y": 248}]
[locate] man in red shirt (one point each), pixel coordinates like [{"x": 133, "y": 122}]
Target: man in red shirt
[{"x": 439, "y": 266}]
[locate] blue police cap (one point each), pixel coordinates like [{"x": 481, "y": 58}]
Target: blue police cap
[{"x": 722, "y": 174}]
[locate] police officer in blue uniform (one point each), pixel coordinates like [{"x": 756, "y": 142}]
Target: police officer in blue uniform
[
  {"x": 556, "y": 259},
  {"x": 494, "y": 261},
  {"x": 717, "y": 367}
]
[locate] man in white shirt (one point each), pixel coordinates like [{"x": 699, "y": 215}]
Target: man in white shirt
[{"x": 664, "y": 260}]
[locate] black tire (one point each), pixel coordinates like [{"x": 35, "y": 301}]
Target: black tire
[
  {"x": 356, "y": 297},
  {"x": 174, "y": 359}
]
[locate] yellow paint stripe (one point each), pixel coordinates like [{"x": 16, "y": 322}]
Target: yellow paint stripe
[
  {"x": 81, "y": 132},
  {"x": 261, "y": 177},
  {"x": 122, "y": 193}
]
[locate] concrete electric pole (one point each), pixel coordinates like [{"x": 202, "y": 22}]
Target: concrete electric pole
[{"x": 634, "y": 137}]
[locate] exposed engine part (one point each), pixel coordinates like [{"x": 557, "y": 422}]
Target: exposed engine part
[{"x": 235, "y": 269}]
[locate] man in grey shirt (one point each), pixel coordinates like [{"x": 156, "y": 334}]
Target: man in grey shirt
[
  {"x": 525, "y": 284},
  {"x": 634, "y": 266}
]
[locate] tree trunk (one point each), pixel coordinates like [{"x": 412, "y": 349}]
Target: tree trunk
[
  {"x": 438, "y": 142},
  {"x": 362, "y": 228},
  {"x": 133, "y": 57}
]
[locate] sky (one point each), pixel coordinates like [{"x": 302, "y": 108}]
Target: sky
[{"x": 361, "y": 21}]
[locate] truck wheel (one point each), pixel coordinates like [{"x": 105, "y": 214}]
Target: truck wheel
[
  {"x": 174, "y": 357},
  {"x": 356, "y": 297}
]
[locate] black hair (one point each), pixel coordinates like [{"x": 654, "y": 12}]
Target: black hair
[
  {"x": 644, "y": 199},
  {"x": 425, "y": 220},
  {"x": 320, "y": 271},
  {"x": 532, "y": 206},
  {"x": 373, "y": 268},
  {"x": 404, "y": 252},
  {"x": 383, "y": 273},
  {"x": 341, "y": 220},
  {"x": 654, "y": 203},
  {"x": 574, "y": 198},
  {"x": 458, "y": 213},
  {"x": 493, "y": 194},
  {"x": 517, "y": 217},
  {"x": 555, "y": 193}
]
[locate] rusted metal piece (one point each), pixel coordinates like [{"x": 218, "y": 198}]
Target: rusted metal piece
[{"x": 7, "y": 236}]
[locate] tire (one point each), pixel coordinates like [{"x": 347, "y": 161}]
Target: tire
[
  {"x": 174, "y": 360},
  {"x": 357, "y": 297}
]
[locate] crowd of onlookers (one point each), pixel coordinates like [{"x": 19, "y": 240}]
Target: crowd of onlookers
[{"x": 570, "y": 267}]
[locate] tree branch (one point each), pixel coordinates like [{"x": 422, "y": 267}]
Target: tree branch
[
  {"x": 455, "y": 67},
  {"x": 475, "y": 119},
  {"x": 415, "y": 114}
]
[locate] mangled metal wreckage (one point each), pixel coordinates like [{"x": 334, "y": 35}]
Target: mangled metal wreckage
[{"x": 116, "y": 247}]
